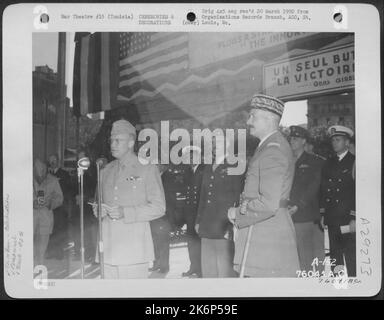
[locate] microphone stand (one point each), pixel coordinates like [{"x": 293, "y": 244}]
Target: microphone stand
[
  {"x": 82, "y": 164},
  {"x": 99, "y": 209}
]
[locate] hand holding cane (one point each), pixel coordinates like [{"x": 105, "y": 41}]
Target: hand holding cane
[{"x": 243, "y": 210}]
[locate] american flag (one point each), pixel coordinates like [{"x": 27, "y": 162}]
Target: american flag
[{"x": 148, "y": 59}]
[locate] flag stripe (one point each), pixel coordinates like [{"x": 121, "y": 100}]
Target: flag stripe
[
  {"x": 159, "y": 47},
  {"x": 155, "y": 73},
  {"x": 84, "y": 52},
  {"x": 105, "y": 75},
  {"x": 95, "y": 88},
  {"x": 151, "y": 72},
  {"x": 113, "y": 67},
  {"x": 152, "y": 62},
  {"x": 135, "y": 67}
]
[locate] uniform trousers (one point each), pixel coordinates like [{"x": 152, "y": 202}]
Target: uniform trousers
[
  {"x": 343, "y": 246},
  {"x": 310, "y": 245},
  {"x": 131, "y": 271},
  {"x": 194, "y": 243},
  {"x": 160, "y": 229},
  {"x": 176, "y": 216},
  {"x": 217, "y": 258}
]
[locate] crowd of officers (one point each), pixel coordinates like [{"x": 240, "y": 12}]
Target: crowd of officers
[{"x": 268, "y": 222}]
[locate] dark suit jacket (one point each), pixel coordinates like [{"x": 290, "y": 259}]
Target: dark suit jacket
[
  {"x": 338, "y": 194},
  {"x": 175, "y": 186},
  {"x": 305, "y": 190},
  {"x": 219, "y": 192},
  {"x": 194, "y": 181}
]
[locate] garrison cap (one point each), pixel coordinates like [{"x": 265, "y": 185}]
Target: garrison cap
[{"x": 122, "y": 127}]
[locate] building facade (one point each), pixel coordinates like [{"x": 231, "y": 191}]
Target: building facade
[
  {"x": 45, "y": 95},
  {"x": 328, "y": 110}
]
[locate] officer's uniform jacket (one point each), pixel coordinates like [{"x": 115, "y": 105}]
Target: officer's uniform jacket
[
  {"x": 138, "y": 189},
  {"x": 219, "y": 192},
  {"x": 272, "y": 250},
  {"x": 305, "y": 190},
  {"x": 175, "y": 186},
  {"x": 338, "y": 198},
  {"x": 53, "y": 194},
  {"x": 53, "y": 197},
  {"x": 194, "y": 180}
]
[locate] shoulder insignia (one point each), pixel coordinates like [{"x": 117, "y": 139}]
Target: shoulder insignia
[
  {"x": 319, "y": 157},
  {"x": 273, "y": 144}
]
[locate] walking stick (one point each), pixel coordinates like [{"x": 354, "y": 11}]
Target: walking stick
[
  {"x": 246, "y": 249},
  {"x": 99, "y": 162},
  {"x": 82, "y": 164}
]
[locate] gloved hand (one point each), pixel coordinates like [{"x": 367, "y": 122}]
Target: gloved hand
[{"x": 232, "y": 214}]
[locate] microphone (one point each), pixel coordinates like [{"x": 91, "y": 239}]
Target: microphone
[
  {"x": 101, "y": 162},
  {"x": 84, "y": 163}
]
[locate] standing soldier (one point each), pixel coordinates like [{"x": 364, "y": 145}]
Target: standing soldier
[
  {"x": 271, "y": 242},
  {"x": 175, "y": 188},
  {"x": 304, "y": 202},
  {"x": 338, "y": 200},
  {"x": 219, "y": 191},
  {"x": 194, "y": 180},
  {"x": 132, "y": 195},
  {"x": 47, "y": 196},
  {"x": 59, "y": 237}
]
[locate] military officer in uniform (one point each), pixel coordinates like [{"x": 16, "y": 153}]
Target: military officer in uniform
[
  {"x": 219, "y": 191},
  {"x": 132, "y": 195},
  {"x": 304, "y": 202},
  {"x": 194, "y": 180},
  {"x": 175, "y": 188},
  {"x": 338, "y": 199},
  {"x": 47, "y": 196},
  {"x": 272, "y": 250}
]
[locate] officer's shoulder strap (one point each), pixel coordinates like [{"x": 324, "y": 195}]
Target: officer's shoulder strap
[
  {"x": 320, "y": 157},
  {"x": 273, "y": 144}
]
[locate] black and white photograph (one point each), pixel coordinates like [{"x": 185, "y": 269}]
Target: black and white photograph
[
  {"x": 189, "y": 155},
  {"x": 295, "y": 91}
]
